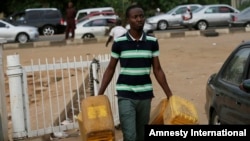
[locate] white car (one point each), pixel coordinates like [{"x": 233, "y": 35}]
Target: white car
[
  {"x": 21, "y": 34},
  {"x": 172, "y": 18},
  {"x": 98, "y": 26}
]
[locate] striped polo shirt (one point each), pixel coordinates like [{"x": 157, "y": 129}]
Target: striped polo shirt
[{"x": 135, "y": 62}]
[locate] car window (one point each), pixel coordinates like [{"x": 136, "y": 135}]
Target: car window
[
  {"x": 33, "y": 15},
  {"x": 51, "y": 14},
  {"x": 224, "y": 9},
  {"x": 233, "y": 72},
  {"x": 99, "y": 22},
  {"x": 81, "y": 15},
  {"x": 212, "y": 10},
  {"x": 2, "y": 24},
  {"x": 181, "y": 10}
]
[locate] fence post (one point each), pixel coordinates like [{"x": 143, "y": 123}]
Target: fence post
[
  {"x": 14, "y": 73},
  {"x": 3, "y": 111}
]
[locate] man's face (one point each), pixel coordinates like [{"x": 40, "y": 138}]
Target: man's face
[{"x": 136, "y": 19}]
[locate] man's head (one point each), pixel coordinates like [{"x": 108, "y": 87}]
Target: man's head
[
  {"x": 70, "y": 4},
  {"x": 135, "y": 17}
]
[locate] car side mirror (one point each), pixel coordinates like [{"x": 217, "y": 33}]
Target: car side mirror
[{"x": 245, "y": 85}]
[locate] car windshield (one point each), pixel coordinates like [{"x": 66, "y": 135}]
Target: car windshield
[
  {"x": 171, "y": 11},
  {"x": 198, "y": 9}
]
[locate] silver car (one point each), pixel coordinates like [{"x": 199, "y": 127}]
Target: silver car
[
  {"x": 241, "y": 19},
  {"x": 172, "y": 18},
  {"x": 214, "y": 15},
  {"x": 21, "y": 34}
]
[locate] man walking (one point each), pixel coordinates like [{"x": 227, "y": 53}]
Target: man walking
[{"x": 70, "y": 19}]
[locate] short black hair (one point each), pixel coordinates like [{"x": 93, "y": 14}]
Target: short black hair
[{"x": 131, "y": 7}]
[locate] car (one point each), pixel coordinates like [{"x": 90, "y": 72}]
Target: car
[
  {"x": 228, "y": 90},
  {"x": 241, "y": 19},
  {"x": 49, "y": 21},
  {"x": 172, "y": 18},
  {"x": 213, "y": 15},
  {"x": 21, "y": 34},
  {"x": 97, "y": 26},
  {"x": 84, "y": 12},
  {"x": 97, "y": 14}
]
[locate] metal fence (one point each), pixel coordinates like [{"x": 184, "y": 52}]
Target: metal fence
[{"x": 45, "y": 97}]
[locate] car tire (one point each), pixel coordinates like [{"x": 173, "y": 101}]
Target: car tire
[
  {"x": 215, "y": 119},
  {"x": 202, "y": 25},
  {"x": 48, "y": 30},
  {"x": 162, "y": 25},
  {"x": 88, "y": 36},
  {"x": 22, "y": 38}
]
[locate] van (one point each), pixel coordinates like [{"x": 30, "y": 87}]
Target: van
[
  {"x": 49, "y": 21},
  {"x": 84, "y": 12}
]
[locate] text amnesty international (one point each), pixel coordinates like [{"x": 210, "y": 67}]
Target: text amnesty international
[{"x": 198, "y": 133}]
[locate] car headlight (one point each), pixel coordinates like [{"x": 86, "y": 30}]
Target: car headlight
[{"x": 151, "y": 20}]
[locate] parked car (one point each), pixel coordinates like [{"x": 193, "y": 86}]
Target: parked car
[
  {"x": 228, "y": 90},
  {"x": 214, "y": 15},
  {"x": 172, "y": 18},
  {"x": 84, "y": 12},
  {"x": 49, "y": 21},
  {"x": 97, "y": 14},
  {"x": 94, "y": 27},
  {"x": 241, "y": 19},
  {"x": 21, "y": 34}
]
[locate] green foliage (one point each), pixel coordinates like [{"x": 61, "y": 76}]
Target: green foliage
[{"x": 10, "y": 6}]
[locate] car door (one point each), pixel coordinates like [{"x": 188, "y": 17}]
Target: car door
[
  {"x": 212, "y": 16},
  {"x": 6, "y": 32},
  {"x": 175, "y": 18},
  {"x": 235, "y": 107},
  {"x": 98, "y": 27}
]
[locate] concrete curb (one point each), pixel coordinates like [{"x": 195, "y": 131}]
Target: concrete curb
[{"x": 157, "y": 34}]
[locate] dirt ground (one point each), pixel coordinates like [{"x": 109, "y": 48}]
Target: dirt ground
[{"x": 187, "y": 62}]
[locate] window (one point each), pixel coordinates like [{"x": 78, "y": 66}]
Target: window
[
  {"x": 51, "y": 14},
  {"x": 234, "y": 70},
  {"x": 33, "y": 15},
  {"x": 99, "y": 22},
  {"x": 2, "y": 24}
]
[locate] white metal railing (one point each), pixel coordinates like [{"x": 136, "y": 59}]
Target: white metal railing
[{"x": 46, "y": 96}]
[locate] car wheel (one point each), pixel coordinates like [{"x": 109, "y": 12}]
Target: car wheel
[
  {"x": 215, "y": 119},
  {"x": 22, "y": 38},
  {"x": 88, "y": 36},
  {"x": 48, "y": 30},
  {"x": 162, "y": 25},
  {"x": 202, "y": 25}
]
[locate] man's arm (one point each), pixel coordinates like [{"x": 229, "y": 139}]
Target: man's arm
[
  {"x": 160, "y": 77},
  {"x": 108, "y": 75},
  {"x": 109, "y": 39}
]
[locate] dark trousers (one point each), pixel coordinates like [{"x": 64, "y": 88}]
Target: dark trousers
[{"x": 70, "y": 28}]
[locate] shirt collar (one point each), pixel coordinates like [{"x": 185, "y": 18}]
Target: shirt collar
[{"x": 131, "y": 38}]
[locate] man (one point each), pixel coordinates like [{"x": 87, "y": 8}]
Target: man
[
  {"x": 137, "y": 53},
  {"x": 70, "y": 19},
  {"x": 116, "y": 31},
  {"x": 188, "y": 15}
]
